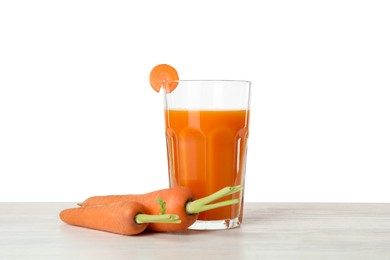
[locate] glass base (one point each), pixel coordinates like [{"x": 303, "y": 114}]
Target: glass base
[{"x": 215, "y": 224}]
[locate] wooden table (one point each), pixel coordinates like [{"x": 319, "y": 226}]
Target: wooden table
[{"x": 270, "y": 231}]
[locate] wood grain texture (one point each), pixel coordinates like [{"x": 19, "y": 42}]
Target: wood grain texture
[{"x": 270, "y": 231}]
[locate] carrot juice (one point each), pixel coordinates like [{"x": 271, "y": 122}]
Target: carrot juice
[{"x": 207, "y": 152}]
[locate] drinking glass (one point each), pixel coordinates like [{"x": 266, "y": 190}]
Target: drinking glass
[{"x": 206, "y": 133}]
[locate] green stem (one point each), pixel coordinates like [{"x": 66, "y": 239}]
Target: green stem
[
  {"x": 202, "y": 204},
  {"x": 220, "y": 204},
  {"x": 165, "y": 218}
]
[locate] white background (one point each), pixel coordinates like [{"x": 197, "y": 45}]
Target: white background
[{"x": 78, "y": 117}]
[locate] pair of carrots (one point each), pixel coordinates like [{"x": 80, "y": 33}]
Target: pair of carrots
[{"x": 132, "y": 214}]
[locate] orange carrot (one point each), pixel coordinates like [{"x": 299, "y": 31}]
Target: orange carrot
[
  {"x": 177, "y": 200},
  {"x": 163, "y": 75},
  {"x": 125, "y": 217}
]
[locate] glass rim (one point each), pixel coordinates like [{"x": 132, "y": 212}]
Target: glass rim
[{"x": 210, "y": 80}]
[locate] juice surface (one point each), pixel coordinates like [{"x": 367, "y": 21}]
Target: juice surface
[{"x": 207, "y": 152}]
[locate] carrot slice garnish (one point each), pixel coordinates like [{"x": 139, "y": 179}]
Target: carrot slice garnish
[{"x": 161, "y": 75}]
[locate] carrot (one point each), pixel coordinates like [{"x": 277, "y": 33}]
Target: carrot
[
  {"x": 124, "y": 217},
  {"x": 177, "y": 200},
  {"x": 163, "y": 75}
]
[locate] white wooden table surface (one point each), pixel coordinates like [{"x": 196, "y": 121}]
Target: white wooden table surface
[{"x": 270, "y": 231}]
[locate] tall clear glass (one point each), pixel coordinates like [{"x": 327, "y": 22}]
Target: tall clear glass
[{"x": 206, "y": 132}]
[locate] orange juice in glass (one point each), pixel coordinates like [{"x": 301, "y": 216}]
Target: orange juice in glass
[{"x": 206, "y": 132}]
